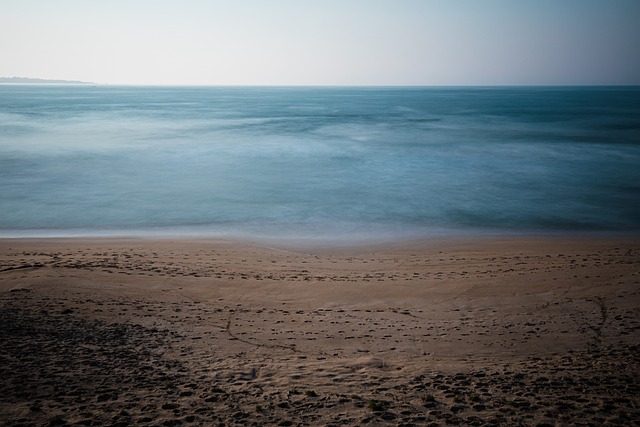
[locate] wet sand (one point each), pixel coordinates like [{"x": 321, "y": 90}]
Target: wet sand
[{"x": 513, "y": 331}]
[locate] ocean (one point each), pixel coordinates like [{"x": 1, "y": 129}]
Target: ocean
[{"x": 337, "y": 164}]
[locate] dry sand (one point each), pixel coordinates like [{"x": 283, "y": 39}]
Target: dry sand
[{"x": 517, "y": 331}]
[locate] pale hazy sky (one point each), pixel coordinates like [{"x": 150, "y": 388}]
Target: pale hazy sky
[{"x": 323, "y": 42}]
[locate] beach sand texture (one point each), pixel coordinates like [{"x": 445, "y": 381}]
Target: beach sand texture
[{"x": 513, "y": 331}]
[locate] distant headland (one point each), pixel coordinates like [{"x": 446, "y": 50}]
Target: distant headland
[{"x": 27, "y": 80}]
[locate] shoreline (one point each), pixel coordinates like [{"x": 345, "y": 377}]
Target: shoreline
[
  {"x": 480, "y": 331},
  {"x": 328, "y": 243}
]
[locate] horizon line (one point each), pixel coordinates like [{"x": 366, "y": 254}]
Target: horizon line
[{"x": 79, "y": 83}]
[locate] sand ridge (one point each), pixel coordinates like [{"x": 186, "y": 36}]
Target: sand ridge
[{"x": 532, "y": 331}]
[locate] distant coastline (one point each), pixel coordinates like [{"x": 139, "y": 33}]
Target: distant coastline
[{"x": 28, "y": 80}]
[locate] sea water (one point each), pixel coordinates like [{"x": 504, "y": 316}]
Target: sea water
[{"x": 318, "y": 163}]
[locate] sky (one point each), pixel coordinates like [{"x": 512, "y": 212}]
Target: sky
[{"x": 323, "y": 42}]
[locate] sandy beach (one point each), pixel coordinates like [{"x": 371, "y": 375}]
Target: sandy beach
[{"x": 509, "y": 331}]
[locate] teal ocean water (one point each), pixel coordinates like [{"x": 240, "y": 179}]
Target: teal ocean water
[{"x": 329, "y": 163}]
